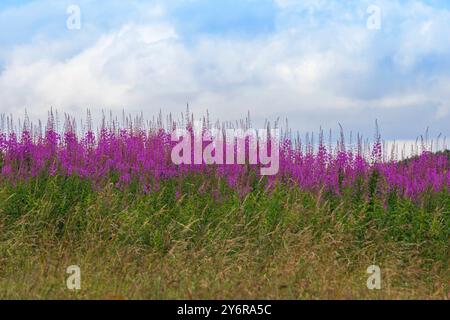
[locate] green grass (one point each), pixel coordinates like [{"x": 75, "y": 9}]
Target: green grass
[{"x": 286, "y": 244}]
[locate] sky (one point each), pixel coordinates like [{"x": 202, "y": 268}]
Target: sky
[{"x": 316, "y": 63}]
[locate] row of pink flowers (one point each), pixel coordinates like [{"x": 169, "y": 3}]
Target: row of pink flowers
[{"x": 145, "y": 156}]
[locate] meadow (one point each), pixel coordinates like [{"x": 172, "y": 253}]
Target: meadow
[{"x": 140, "y": 227}]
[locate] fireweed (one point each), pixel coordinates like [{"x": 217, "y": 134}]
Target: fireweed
[
  {"x": 228, "y": 146},
  {"x": 143, "y": 157}
]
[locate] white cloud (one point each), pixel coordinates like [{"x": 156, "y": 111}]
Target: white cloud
[{"x": 330, "y": 68}]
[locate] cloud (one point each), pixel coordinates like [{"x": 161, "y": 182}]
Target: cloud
[{"x": 319, "y": 66}]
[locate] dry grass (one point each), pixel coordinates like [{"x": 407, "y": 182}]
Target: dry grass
[
  {"x": 139, "y": 248},
  {"x": 300, "y": 269}
]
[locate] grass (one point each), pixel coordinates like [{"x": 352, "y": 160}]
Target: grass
[{"x": 283, "y": 244}]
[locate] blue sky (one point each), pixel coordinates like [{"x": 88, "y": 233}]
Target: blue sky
[{"x": 313, "y": 62}]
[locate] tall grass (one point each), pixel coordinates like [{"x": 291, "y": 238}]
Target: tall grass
[{"x": 211, "y": 232}]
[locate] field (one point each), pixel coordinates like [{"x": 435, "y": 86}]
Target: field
[{"x": 140, "y": 227}]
